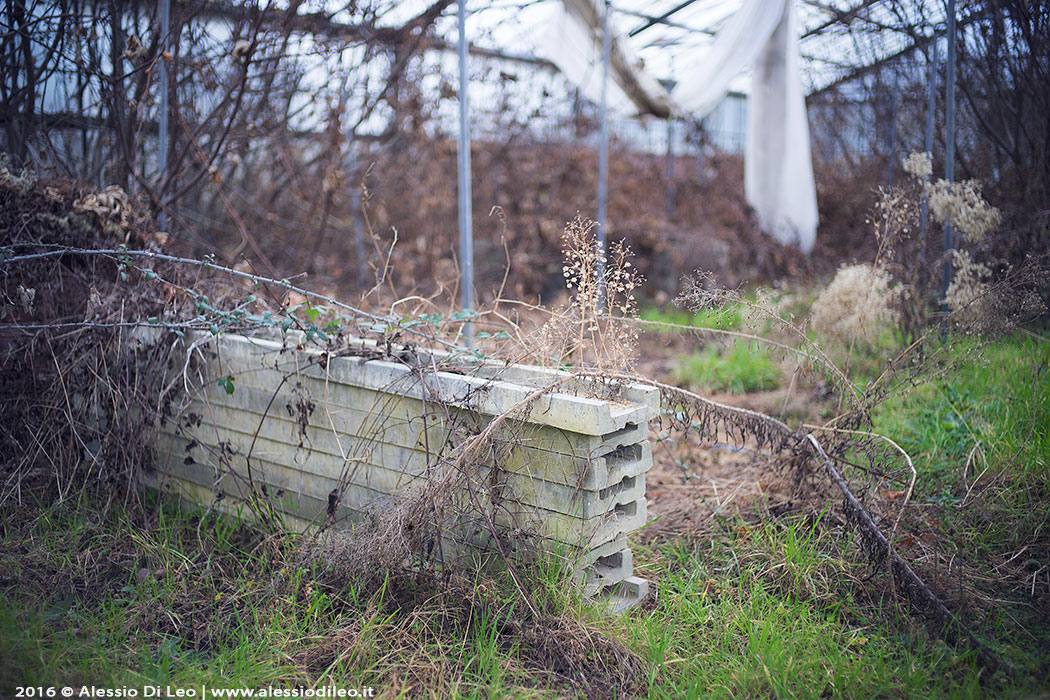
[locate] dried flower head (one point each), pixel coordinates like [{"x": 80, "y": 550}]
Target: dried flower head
[
  {"x": 701, "y": 292},
  {"x": 593, "y": 327},
  {"x": 134, "y": 50},
  {"x": 242, "y": 50},
  {"x": 895, "y": 215},
  {"x": 919, "y": 165},
  {"x": 961, "y": 205},
  {"x": 858, "y": 303},
  {"x": 986, "y": 301},
  {"x": 26, "y": 296},
  {"x": 970, "y": 282}
]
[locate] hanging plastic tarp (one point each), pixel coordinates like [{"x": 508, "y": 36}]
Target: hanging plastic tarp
[
  {"x": 778, "y": 163},
  {"x": 571, "y": 39},
  {"x": 761, "y": 35}
]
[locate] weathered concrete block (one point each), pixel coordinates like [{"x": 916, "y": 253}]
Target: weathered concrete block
[
  {"x": 518, "y": 473},
  {"x": 326, "y": 439},
  {"x": 624, "y": 595},
  {"x": 609, "y": 571},
  {"x": 603, "y": 474},
  {"x": 489, "y": 396}
]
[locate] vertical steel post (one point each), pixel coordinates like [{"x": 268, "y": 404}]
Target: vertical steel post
[
  {"x": 949, "y": 140},
  {"x": 355, "y": 206},
  {"x": 466, "y": 232},
  {"x": 669, "y": 84},
  {"x": 670, "y": 168},
  {"x": 894, "y": 107},
  {"x": 927, "y": 140},
  {"x": 78, "y": 12},
  {"x": 701, "y": 135},
  {"x": 603, "y": 148},
  {"x": 165, "y": 28}
]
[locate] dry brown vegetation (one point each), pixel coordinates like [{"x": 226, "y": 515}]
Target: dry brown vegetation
[
  {"x": 248, "y": 192},
  {"x": 745, "y": 462}
]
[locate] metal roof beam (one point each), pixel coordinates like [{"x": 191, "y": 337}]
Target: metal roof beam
[
  {"x": 646, "y": 94},
  {"x": 315, "y": 23},
  {"x": 918, "y": 44},
  {"x": 665, "y": 22},
  {"x": 652, "y": 21},
  {"x": 838, "y": 16},
  {"x": 869, "y": 68}
]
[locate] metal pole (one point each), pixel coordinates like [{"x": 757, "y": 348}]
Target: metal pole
[
  {"x": 165, "y": 28},
  {"x": 927, "y": 141},
  {"x": 949, "y": 148},
  {"x": 466, "y": 232},
  {"x": 701, "y": 136},
  {"x": 669, "y": 85},
  {"x": 894, "y": 106},
  {"x": 355, "y": 205},
  {"x": 603, "y": 149},
  {"x": 84, "y": 169},
  {"x": 670, "y": 168}
]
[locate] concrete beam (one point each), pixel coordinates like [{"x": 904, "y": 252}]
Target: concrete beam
[{"x": 328, "y": 439}]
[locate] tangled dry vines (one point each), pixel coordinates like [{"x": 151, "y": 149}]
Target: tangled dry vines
[{"x": 82, "y": 395}]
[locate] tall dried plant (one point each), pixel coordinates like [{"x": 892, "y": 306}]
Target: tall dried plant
[{"x": 594, "y": 329}]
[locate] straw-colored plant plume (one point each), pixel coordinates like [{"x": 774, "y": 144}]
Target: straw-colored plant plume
[{"x": 856, "y": 306}]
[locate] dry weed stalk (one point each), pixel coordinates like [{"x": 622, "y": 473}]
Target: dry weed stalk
[
  {"x": 83, "y": 420},
  {"x": 594, "y": 330},
  {"x": 407, "y": 530},
  {"x": 960, "y": 204},
  {"x": 864, "y": 300},
  {"x": 983, "y": 303},
  {"x": 987, "y": 296},
  {"x": 688, "y": 411}
]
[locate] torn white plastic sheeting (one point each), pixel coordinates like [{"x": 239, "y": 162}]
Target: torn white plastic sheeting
[
  {"x": 571, "y": 39},
  {"x": 736, "y": 47},
  {"x": 761, "y": 35},
  {"x": 778, "y": 164},
  {"x": 778, "y": 160}
]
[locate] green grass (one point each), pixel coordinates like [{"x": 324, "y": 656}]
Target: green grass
[
  {"x": 982, "y": 430},
  {"x": 996, "y": 398},
  {"x": 122, "y": 605},
  {"x": 189, "y": 599},
  {"x": 726, "y": 318},
  {"x": 773, "y": 609},
  {"x": 743, "y": 368},
  {"x": 731, "y": 624}
]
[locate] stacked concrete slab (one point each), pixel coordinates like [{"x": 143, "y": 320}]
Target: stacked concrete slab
[{"x": 326, "y": 439}]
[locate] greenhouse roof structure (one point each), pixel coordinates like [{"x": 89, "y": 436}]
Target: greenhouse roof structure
[{"x": 840, "y": 40}]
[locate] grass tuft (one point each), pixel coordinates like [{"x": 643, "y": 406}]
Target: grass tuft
[
  {"x": 744, "y": 368},
  {"x": 983, "y": 436}
]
